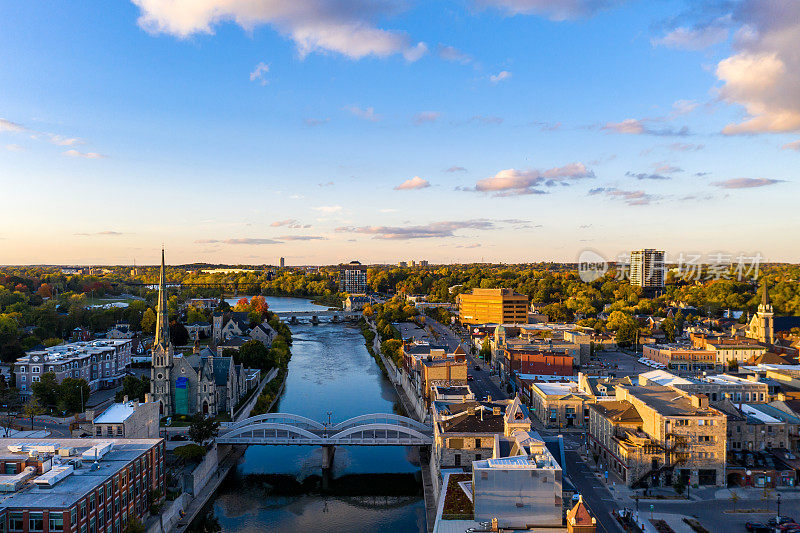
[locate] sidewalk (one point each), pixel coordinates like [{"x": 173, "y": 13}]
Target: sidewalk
[{"x": 675, "y": 521}]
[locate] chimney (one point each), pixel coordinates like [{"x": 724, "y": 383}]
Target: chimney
[
  {"x": 488, "y": 398},
  {"x": 125, "y": 399}
]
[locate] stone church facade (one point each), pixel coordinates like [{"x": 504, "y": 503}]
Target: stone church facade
[{"x": 200, "y": 382}]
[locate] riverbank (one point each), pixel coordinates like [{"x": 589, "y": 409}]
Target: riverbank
[{"x": 331, "y": 377}]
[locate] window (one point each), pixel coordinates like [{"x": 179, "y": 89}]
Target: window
[
  {"x": 91, "y": 503},
  {"x": 73, "y": 517},
  {"x": 119, "y": 430},
  {"x": 477, "y": 443},
  {"x": 457, "y": 459},
  {"x": 55, "y": 522},
  {"x": 83, "y": 510},
  {"x": 92, "y": 526},
  {"x": 35, "y": 369},
  {"x": 98, "y": 431},
  {"x": 100, "y": 494},
  {"x": 15, "y": 522},
  {"x": 11, "y": 468},
  {"x": 36, "y": 521}
]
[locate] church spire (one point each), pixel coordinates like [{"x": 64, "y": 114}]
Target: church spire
[
  {"x": 765, "y": 301},
  {"x": 162, "y": 316}
]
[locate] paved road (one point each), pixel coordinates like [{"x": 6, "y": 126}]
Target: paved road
[
  {"x": 594, "y": 493},
  {"x": 481, "y": 384}
]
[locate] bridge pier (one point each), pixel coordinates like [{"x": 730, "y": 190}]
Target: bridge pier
[
  {"x": 293, "y": 320},
  {"x": 328, "y": 452},
  {"x": 315, "y": 320}
]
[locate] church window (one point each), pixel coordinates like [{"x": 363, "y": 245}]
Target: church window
[{"x": 160, "y": 376}]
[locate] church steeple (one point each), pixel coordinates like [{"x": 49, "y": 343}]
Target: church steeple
[
  {"x": 162, "y": 314},
  {"x": 766, "y": 304}
]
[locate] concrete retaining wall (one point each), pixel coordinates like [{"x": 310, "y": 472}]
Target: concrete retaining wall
[{"x": 171, "y": 514}]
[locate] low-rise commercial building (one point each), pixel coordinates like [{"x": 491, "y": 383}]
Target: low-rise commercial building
[
  {"x": 717, "y": 387},
  {"x": 129, "y": 419},
  {"x": 651, "y": 433},
  {"x": 681, "y": 358},
  {"x": 560, "y": 405}
]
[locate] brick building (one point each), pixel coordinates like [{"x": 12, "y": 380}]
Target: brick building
[{"x": 78, "y": 485}]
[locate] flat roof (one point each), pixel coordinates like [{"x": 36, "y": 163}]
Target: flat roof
[
  {"x": 116, "y": 413},
  {"x": 551, "y": 388},
  {"x": 666, "y": 379},
  {"x": 68, "y": 491}
]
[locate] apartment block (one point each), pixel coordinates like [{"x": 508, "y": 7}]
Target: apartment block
[
  {"x": 353, "y": 278},
  {"x": 647, "y": 268},
  {"x": 102, "y": 363}
]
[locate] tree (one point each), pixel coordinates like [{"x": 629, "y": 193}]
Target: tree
[
  {"x": 203, "y": 428},
  {"x": 32, "y": 409},
  {"x": 134, "y": 526},
  {"x": 253, "y": 354},
  {"x": 46, "y": 389},
  {"x": 668, "y": 325},
  {"x": 178, "y": 334},
  {"x": 486, "y": 351},
  {"x": 626, "y": 333},
  {"x": 149, "y": 321},
  {"x": 74, "y": 393},
  {"x": 133, "y": 388}
]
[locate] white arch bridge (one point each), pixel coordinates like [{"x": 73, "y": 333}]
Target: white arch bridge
[
  {"x": 294, "y": 317},
  {"x": 284, "y": 429}
]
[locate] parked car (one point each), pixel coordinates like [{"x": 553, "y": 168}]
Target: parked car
[
  {"x": 780, "y": 520},
  {"x": 179, "y": 437},
  {"x": 757, "y": 527},
  {"x": 477, "y": 368},
  {"x": 470, "y": 378},
  {"x": 787, "y": 527}
]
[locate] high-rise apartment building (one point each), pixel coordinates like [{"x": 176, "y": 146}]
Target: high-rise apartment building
[
  {"x": 647, "y": 268},
  {"x": 353, "y": 278},
  {"x": 283, "y": 262},
  {"x": 493, "y": 306}
]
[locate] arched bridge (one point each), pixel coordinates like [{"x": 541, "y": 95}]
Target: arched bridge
[
  {"x": 335, "y": 315},
  {"x": 380, "y": 429}
]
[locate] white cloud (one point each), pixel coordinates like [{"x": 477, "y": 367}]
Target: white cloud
[
  {"x": 414, "y": 183},
  {"x": 695, "y": 38},
  {"x": 553, "y": 9},
  {"x": 260, "y": 73},
  {"x": 425, "y": 231},
  {"x": 503, "y": 75},
  {"x": 764, "y": 75},
  {"x": 514, "y": 182},
  {"x": 13, "y": 127},
  {"x": 633, "y": 126},
  {"x": 745, "y": 183},
  {"x": 453, "y": 54},
  {"x": 637, "y": 197},
  {"x": 346, "y": 27},
  {"x": 426, "y": 117},
  {"x": 328, "y": 208},
  {"x": 794, "y": 145},
  {"x": 60, "y": 140},
  {"x": 15, "y": 148},
  {"x": 366, "y": 114},
  {"x": 316, "y": 121},
  {"x": 245, "y": 241},
  {"x": 85, "y": 155}
]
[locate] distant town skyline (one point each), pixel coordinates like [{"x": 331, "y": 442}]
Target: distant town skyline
[{"x": 322, "y": 131}]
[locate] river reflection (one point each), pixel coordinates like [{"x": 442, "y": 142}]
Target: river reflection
[{"x": 330, "y": 374}]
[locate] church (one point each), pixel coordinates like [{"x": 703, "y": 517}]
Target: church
[
  {"x": 200, "y": 382},
  {"x": 765, "y": 327}
]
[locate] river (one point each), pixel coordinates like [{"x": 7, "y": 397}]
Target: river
[{"x": 278, "y": 488}]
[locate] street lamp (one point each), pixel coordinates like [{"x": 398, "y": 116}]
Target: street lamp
[
  {"x": 779, "y": 504},
  {"x": 83, "y": 407}
]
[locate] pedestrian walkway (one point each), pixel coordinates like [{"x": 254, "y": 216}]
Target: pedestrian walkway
[{"x": 675, "y": 521}]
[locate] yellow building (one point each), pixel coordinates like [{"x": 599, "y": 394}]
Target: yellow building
[{"x": 493, "y": 306}]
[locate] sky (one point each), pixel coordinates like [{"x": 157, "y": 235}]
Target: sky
[{"x": 322, "y": 131}]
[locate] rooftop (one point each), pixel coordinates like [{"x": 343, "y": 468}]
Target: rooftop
[
  {"x": 85, "y": 476},
  {"x": 667, "y": 401}
]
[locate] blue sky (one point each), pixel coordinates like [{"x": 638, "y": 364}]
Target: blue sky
[{"x": 464, "y": 130}]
